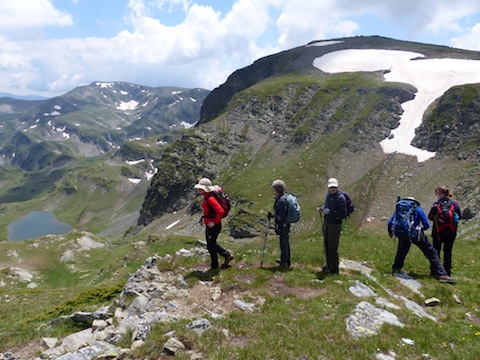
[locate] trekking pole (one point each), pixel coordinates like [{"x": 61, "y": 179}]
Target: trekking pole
[{"x": 265, "y": 241}]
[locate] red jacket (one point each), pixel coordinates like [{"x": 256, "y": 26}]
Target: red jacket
[{"x": 212, "y": 210}]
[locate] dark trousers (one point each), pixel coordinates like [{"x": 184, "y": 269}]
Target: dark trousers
[
  {"x": 427, "y": 248},
  {"x": 284, "y": 238},
  {"x": 447, "y": 240},
  {"x": 211, "y": 235},
  {"x": 331, "y": 238}
]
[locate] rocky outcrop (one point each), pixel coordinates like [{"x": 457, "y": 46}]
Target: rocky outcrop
[
  {"x": 452, "y": 128},
  {"x": 157, "y": 297},
  {"x": 151, "y": 296}
]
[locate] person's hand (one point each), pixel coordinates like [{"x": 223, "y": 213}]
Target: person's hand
[
  {"x": 391, "y": 234},
  {"x": 269, "y": 215},
  {"x": 326, "y": 211},
  {"x": 278, "y": 230},
  {"x": 210, "y": 224},
  {"x": 320, "y": 209}
]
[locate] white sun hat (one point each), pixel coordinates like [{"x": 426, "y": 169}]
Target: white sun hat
[{"x": 205, "y": 184}]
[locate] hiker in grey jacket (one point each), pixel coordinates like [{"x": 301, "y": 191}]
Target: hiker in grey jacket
[
  {"x": 334, "y": 211},
  {"x": 282, "y": 228}
]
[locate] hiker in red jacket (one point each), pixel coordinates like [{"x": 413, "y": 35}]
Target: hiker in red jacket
[
  {"x": 212, "y": 218},
  {"x": 444, "y": 230}
]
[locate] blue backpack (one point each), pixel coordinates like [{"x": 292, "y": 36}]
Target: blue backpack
[
  {"x": 293, "y": 213},
  {"x": 404, "y": 218}
]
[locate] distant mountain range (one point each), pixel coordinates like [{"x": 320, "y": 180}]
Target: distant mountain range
[
  {"x": 23, "y": 97},
  {"x": 91, "y": 120},
  {"x": 89, "y": 154}
]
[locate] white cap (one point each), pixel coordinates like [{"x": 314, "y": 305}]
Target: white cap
[
  {"x": 205, "y": 184},
  {"x": 332, "y": 182}
]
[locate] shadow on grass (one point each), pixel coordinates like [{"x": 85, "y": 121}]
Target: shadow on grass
[
  {"x": 202, "y": 275},
  {"x": 277, "y": 268}
]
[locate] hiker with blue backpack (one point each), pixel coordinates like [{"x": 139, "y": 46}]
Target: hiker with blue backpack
[
  {"x": 445, "y": 214},
  {"x": 286, "y": 212},
  {"x": 334, "y": 211},
  {"x": 408, "y": 223}
]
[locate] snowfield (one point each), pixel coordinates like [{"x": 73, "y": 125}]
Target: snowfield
[{"x": 431, "y": 77}]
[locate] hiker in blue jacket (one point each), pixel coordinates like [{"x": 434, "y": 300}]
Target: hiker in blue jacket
[
  {"x": 282, "y": 228},
  {"x": 417, "y": 236},
  {"x": 444, "y": 234},
  {"x": 334, "y": 211}
]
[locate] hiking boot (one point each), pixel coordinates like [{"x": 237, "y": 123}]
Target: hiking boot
[
  {"x": 279, "y": 262},
  {"x": 228, "y": 258},
  {"x": 447, "y": 279},
  {"x": 396, "y": 271},
  {"x": 283, "y": 267}
]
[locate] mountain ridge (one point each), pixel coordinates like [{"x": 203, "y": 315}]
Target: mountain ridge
[{"x": 301, "y": 59}]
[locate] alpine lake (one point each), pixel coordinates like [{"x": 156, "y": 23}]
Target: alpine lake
[{"x": 36, "y": 224}]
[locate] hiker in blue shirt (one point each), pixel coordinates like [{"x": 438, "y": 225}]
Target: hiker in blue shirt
[
  {"x": 417, "y": 236},
  {"x": 444, "y": 230},
  {"x": 334, "y": 211}
]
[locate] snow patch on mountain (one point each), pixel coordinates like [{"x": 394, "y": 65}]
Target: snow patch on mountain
[
  {"x": 129, "y": 105},
  {"x": 432, "y": 78}
]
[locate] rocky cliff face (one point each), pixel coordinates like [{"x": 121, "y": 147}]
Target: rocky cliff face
[{"x": 453, "y": 126}]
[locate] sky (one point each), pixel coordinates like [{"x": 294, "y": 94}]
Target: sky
[{"x": 49, "y": 47}]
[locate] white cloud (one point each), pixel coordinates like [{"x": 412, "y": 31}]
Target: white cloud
[
  {"x": 470, "y": 40},
  {"x": 205, "y": 45},
  {"x": 26, "y": 14}
]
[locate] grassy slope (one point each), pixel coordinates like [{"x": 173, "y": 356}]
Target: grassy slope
[{"x": 288, "y": 325}]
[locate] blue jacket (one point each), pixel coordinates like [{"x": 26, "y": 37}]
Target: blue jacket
[{"x": 419, "y": 217}]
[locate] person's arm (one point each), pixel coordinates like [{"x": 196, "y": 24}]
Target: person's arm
[
  {"x": 342, "y": 208},
  {"x": 423, "y": 218},
  {"x": 432, "y": 212},
  {"x": 457, "y": 209},
  {"x": 390, "y": 226},
  {"x": 280, "y": 211}
]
